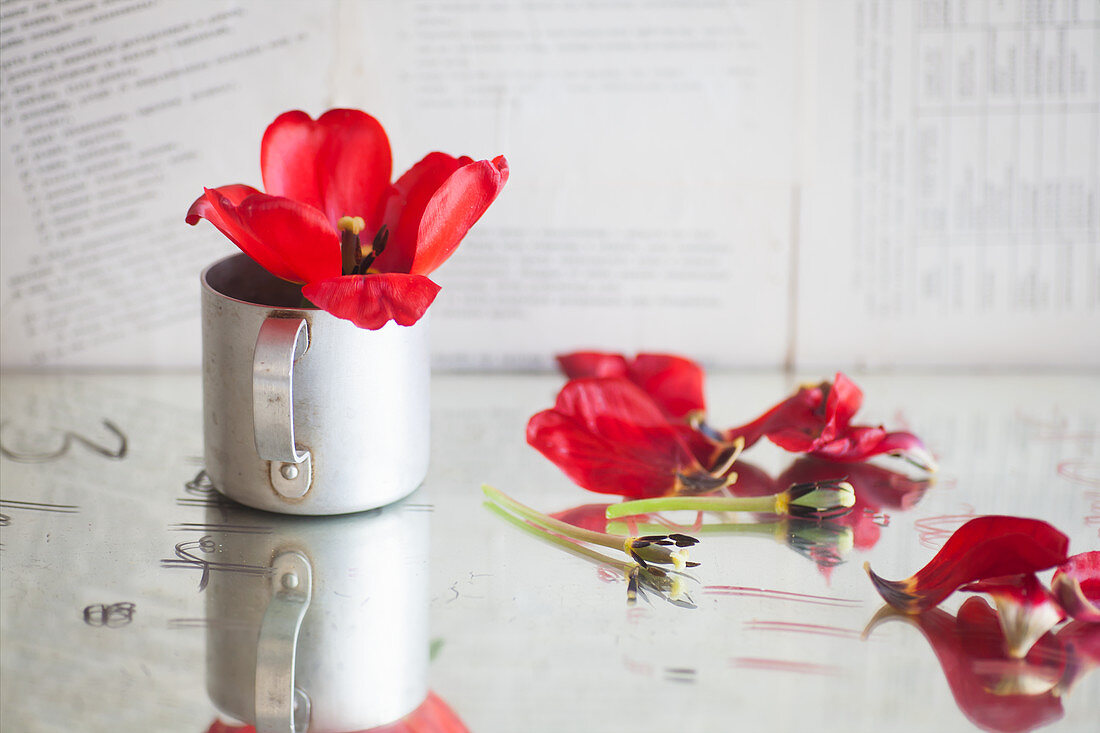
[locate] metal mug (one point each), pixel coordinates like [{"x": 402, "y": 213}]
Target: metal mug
[
  {"x": 317, "y": 624},
  {"x": 303, "y": 412}
]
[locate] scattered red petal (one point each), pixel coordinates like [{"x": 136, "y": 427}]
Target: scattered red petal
[
  {"x": 673, "y": 382},
  {"x": 1076, "y": 585},
  {"x": 985, "y": 547},
  {"x": 608, "y": 436}
]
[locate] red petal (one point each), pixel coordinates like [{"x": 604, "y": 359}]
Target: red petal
[
  {"x": 288, "y": 239},
  {"x": 454, "y": 208},
  {"x": 609, "y": 437},
  {"x": 794, "y": 424},
  {"x": 984, "y": 547},
  {"x": 235, "y": 193},
  {"x": 592, "y": 364},
  {"x": 854, "y": 443},
  {"x": 406, "y": 201},
  {"x": 371, "y": 301},
  {"x": 675, "y": 383},
  {"x": 1076, "y": 584},
  {"x": 1026, "y": 609},
  {"x": 339, "y": 164},
  {"x": 841, "y": 406}
]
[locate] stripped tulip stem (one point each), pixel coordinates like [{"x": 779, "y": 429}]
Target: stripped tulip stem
[
  {"x": 813, "y": 500},
  {"x": 643, "y": 550},
  {"x": 639, "y": 574},
  {"x": 558, "y": 541},
  {"x": 692, "y": 503}
]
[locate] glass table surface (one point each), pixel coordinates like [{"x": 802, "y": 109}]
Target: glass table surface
[{"x": 133, "y": 598}]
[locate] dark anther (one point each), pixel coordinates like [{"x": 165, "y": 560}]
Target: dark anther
[
  {"x": 683, "y": 540},
  {"x": 378, "y": 246}
]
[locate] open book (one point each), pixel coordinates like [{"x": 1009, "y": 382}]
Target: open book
[{"x": 748, "y": 182}]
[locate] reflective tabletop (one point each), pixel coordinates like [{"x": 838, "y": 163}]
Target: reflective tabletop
[{"x": 134, "y": 598}]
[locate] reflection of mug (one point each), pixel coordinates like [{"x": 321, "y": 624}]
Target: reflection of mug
[
  {"x": 317, "y": 624},
  {"x": 304, "y": 413}
]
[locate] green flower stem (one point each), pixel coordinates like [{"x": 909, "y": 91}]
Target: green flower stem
[
  {"x": 498, "y": 497},
  {"x": 693, "y": 503},
  {"x": 749, "y": 528},
  {"x": 554, "y": 539}
]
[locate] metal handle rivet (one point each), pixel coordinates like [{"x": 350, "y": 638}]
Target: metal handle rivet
[
  {"x": 290, "y": 581},
  {"x": 289, "y": 471}
]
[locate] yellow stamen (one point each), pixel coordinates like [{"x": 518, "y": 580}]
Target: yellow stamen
[{"x": 353, "y": 224}]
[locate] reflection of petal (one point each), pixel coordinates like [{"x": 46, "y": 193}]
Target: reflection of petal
[
  {"x": 1076, "y": 585},
  {"x": 586, "y": 516},
  {"x": 1026, "y": 609},
  {"x": 433, "y": 716},
  {"x": 985, "y": 547},
  {"x": 988, "y": 686},
  {"x": 1082, "y": 640}
]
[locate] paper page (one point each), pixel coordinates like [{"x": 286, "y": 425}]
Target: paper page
[
  {"x": 650, "y": 144},
  {"x": 951, "y": 209},
  {"x": 114, "y": 116}
]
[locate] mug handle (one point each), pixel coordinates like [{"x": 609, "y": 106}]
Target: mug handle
[
  {"x": 280, "y": 342},
  {"x": 281, "y": 707}
]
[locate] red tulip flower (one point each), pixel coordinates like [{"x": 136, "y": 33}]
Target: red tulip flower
[
  {"x": 330, "y": 218},
  {"x": 608, "y": 436},
  {"x": 817, "y": 420}
]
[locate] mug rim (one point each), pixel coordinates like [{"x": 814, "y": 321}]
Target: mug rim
[{"x": 243, "y": 257}]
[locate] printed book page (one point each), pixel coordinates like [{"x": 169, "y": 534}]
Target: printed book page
[
  {"x": 649, "y": 205},
  {"x": 752, "y": 183},
  {"x": 114, "y": 116},
  {"x": 951, "y": 209}
]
